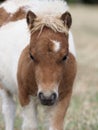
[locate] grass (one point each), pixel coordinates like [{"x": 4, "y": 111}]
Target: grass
[{"x": 83, "y": 111}]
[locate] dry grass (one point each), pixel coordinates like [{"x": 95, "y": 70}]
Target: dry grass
[{"x": 83, "y": 111}]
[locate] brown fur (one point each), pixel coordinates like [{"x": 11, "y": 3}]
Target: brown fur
[
  {"x": 60, "y": 111},
  {"x": 4, "y": 16},
  {"x": 27, "y": 86},
  {"x": 41, "y": 66},
  {"x": 18, "y": 15},
  {"x": 46, "y": 67}
]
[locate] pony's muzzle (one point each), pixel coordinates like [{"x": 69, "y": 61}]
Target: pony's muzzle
[{"x": 47, "y": 100}]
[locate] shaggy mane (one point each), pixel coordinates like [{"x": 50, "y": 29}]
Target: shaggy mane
[
  {"x": 48, "y": 14},
  {"x": 49, "y": 21}
]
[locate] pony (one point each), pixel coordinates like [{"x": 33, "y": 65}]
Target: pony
[{"x": 37, "y": 61}]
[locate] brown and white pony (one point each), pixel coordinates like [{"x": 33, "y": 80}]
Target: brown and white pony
[{"x": 37, "y": 60}]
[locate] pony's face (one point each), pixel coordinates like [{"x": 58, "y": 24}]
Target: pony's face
[{"x": 49, "y": 53}]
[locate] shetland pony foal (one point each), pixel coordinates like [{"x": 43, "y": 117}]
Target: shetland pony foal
[
  {"x": 46, "y": 67},
  {"x": 46, "y": 70}
]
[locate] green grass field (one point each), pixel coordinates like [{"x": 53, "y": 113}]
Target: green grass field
[{"x": 83, "y": 110}]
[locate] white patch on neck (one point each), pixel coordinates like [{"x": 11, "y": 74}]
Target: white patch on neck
[{"x": 56, "y": 45}]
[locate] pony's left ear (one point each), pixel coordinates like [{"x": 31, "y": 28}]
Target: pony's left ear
[
  {"x": 67, "y": 19},
  {"x": 30, "y": 17}
]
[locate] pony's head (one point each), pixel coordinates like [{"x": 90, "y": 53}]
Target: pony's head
[{"x": 49, "y": 53}]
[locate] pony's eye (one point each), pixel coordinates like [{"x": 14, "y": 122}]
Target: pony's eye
[
  {"x": 31, "y": 56},
  {"x": 64, "y": 58}
]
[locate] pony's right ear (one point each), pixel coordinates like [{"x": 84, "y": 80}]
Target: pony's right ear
[
  {"x": 67, "y": 19},
  {"x": 30, "y": 18}
]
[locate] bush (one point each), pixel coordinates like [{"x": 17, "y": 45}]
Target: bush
[
  {"x": 84, "y": 1},
  {"x": 90, "y": 1}
]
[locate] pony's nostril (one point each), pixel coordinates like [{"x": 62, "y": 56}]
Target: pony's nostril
[
  {"x": 41, "y": 96},
  {"x": 53, "y": 96}
]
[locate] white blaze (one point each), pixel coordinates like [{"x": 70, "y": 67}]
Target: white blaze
[{"x": 56, "y": 45}]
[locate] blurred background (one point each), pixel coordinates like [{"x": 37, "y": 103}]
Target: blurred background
[{"x": 82, "y": 113}]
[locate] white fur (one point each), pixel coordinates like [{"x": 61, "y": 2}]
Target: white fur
[
  {"x": 56, "y": 45},
  {"x": 51, "y": 7},
  {"x": 30, "y": 116},
  {"x": 71, "y": 44},
  {"x": 8, "y": 109},
  {"x": 13, "y": 39},
  {"x": 37, "y": 6},
  {"x": 11, "y": 6}
]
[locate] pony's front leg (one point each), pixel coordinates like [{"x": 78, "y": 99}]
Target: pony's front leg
[
  {"x": 30, "y": 116},
  {"x": 58, "y": 113},
  {"x": 8, "y": 109}
]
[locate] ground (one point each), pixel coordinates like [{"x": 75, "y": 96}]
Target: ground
[{"x": 83, "y": 110}]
